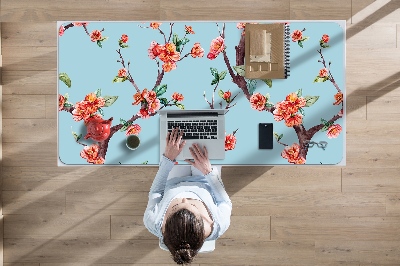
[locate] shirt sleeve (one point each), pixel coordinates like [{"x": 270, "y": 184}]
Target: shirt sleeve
[
  {"x": 222, "y": 199},
  {"x": 156, "y": 194}
]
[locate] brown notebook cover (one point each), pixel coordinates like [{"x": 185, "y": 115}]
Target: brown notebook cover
[{"x": 267, "y": 51}]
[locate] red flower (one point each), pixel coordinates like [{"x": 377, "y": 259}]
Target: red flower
[
  {"x": 334, "y": 131},
  {"x": 258, "y": 101},
  {"x": 122, "y": 73},
  {"x": 295, "y": 100},
  {"x": 197, "y": 51},
  {"x": 154, "y": 106},
  {"x": 294, "y": 120},
  {"x": 168, "y": 66},
  {"x": 217, "y": 46},
  {"x": 61, "y": 102},
  {"x": 150, "y": 96},
  {"x": 124, "y": 38},
  {"x": 297, "y": 35},
  {"x": 325, "y": 38},
  {"x": 323, "y": 72},
  {"x": 230, "y": 142},
  {"x": 189, "y": 29},
  {"x": 139, "y": 97},
  {"x": 155, "y": 25},
  {"x": 133, "y": 130},
  {"x": 169, "y": 53},
  {"x": 143, "y": 113},
  {"x": 90, "y": 153},
  {"x": 292, "y": 154},
  {"x": 227, "y": 95},
  {"x": 177, "y": 97},
  {"x": 339, "y": 98},
  {"x": 155, "y": 49},
  {"x": 80, "y": 24},
  {"x": 61, "y": 31},
  {"x": 95, "y": 36},
  {"x": 211, "y": 56},
  {"x": 241, "y": 25}
]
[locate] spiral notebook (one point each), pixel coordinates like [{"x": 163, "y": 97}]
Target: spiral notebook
[{"x": 267, "y": 51}]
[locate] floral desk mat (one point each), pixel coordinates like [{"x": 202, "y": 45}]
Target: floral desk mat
[{"x": 123, "y": 73}]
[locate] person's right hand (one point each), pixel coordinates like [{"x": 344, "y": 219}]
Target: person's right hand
[{"x": 200, "y": 157}]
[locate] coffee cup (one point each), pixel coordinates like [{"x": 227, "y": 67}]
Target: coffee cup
[{"x": 132, "y": 142}]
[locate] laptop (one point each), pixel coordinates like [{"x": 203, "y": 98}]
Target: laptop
[{"x": 204, "y": 127}]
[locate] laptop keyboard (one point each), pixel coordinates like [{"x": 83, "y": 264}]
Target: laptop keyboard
[{"x": 196, "y": 129}]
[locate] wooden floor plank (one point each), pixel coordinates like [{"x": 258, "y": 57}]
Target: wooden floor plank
[
  {"x": 390, "y": 112},
  {"x": 393, "y": 204},
  {"x": 51, "y": 106},
  {"x": 107, "y": 203},
  {"x": 356, "y": 108},
  {"x": 33, "y": 202},
  {"x": 51, "y": 226},
  {"x": 226, "y": 10},
  {"x": 116, "y": 10},
  {"x": 364, "y": 252},
  {"x": 373, "y": 131},
  {"x": 30, "y": 58},
  {"x": 128, "y": 227},
  {"x": 371, "y": 155},
  {"x": 79, "y": 179},
  {"x": 309, "y": 204},
  {"x": 15, "y": 130},
  {"x": 147, "y": 251},
  {"x": 335, "y": 228},
  {"x": 21, "y": 154},
  {"x": 371, "y": 180},
  {"x": 332, "y": 9},
  {"x": 381, "y": 31},
  {"x": 24, "y": 106},
  {"x": 30, "y": 82},
  {"x": 27, "y": 33},
  {"x": 359, "y": 5}
]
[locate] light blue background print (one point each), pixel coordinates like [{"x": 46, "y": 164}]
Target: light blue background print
[{"x": 91, "y": 67}]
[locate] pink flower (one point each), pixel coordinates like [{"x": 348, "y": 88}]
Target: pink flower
[
  {"x": 295, "y": 100},
  {"x": 325, "y": 38},
  {"x": 294, "y": 120},
  {"x": 283, "y": 111},
  {"x": 155, "y": 25},
  {"x": 143, "y": 113},
  {"x": 334, "y": 131},
  {"x": 189, "y": 29},
  {"x": 80, "y": 24},
  {"x": 217, "y": 46},
  {"x": 61, "y": 102},
  {"x": 90, "y": 153},
  {"x": 227, "y": 95},
  {"x": 61, "y": 31},
  {"x": 297, "y": 35},
  {"x": 339, "y": 98},
  {"x": 241, "y": 25},
  {"x": 230, "y": 142},
  {"x": 197, "y": 51},
  {"x": 168, "y": 66},
  {"x": 169, "y": 53},
  {"x": 258, "y": 101},
  {"x": 292, "y": 154},
  {"x": 83, "y": 110},
  {"x": 323, "y": 72},
  {"x": 92, "y": 99},
  {"x": 177, "y": 97},
  {"x": 124, "y": 38},
  {"x": 95, "y": 36},
  {"x": 150, "y": 96},
  {"x": 155, "y": 49},
  {"x": 154, "y": 106},
  {"x": 122, "y": 73},
  {"x": 133, "y": 130}
]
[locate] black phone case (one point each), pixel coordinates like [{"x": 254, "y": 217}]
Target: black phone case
[{"x": 265, "y": 135}]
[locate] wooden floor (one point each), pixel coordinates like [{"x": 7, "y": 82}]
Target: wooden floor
[{"x": 281, "y": 215}]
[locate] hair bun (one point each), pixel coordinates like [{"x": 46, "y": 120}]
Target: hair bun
[{"x": 184, "y": 245}]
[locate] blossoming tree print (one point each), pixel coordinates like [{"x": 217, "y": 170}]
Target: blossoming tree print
[{"x": 115, "y": 77}]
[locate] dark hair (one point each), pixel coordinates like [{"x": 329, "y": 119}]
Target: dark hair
[{"x": 184, "y": 235}]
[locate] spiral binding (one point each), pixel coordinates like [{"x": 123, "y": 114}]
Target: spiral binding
[{"x": 287, "y": 50}]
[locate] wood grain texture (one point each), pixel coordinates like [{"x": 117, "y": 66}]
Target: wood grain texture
[
  {"x": 335, "y": 228},
  {"x": 356, "y": 108},
  {"x": 24, "y": 106},
  {"x": 30, "y": 154},
  {"x": 121, "y": 10},
  {"x": 383, "y": 155},
  {"x": 389, "y": 113},
  {"x": 15, "y": 130},
  {"x": 363, "y": 252},
  {"x": 50, "y": 226},
  {"x": 129, "y": 227},
  {"x": 309, "y": 10},
  {"x": 224, "y": 10},
  {"x": 33, "y": 202},
  {"x": 381, "y": 180},
  {"x": 359, "y": 5},
  {"x": 373, "y": 131},
  {"x": 20, "y": 58},
  {"x": 29, "y": 34},
  {"x": 393, "y": 204},
  {"x": 30, "y": 82},
  {"x": 309, "y": 204}
]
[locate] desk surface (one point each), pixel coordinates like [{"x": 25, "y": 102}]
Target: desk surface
[{"x": 309, "y": 103}]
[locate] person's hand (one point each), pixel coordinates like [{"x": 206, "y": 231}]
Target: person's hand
[
  {"x": 200, "y": 157},
  {"x": 174, "y": 144}
]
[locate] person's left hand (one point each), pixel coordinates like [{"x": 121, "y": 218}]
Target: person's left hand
[{"x": 174, "y": 144}]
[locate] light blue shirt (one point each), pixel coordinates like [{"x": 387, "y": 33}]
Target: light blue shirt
[{"x": 209, "y": 188}]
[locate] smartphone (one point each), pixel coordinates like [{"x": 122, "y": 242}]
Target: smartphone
[{"x": 265, "y": 136}]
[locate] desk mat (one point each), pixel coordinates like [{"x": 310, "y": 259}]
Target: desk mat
[{"x": 123, "y": 73}]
